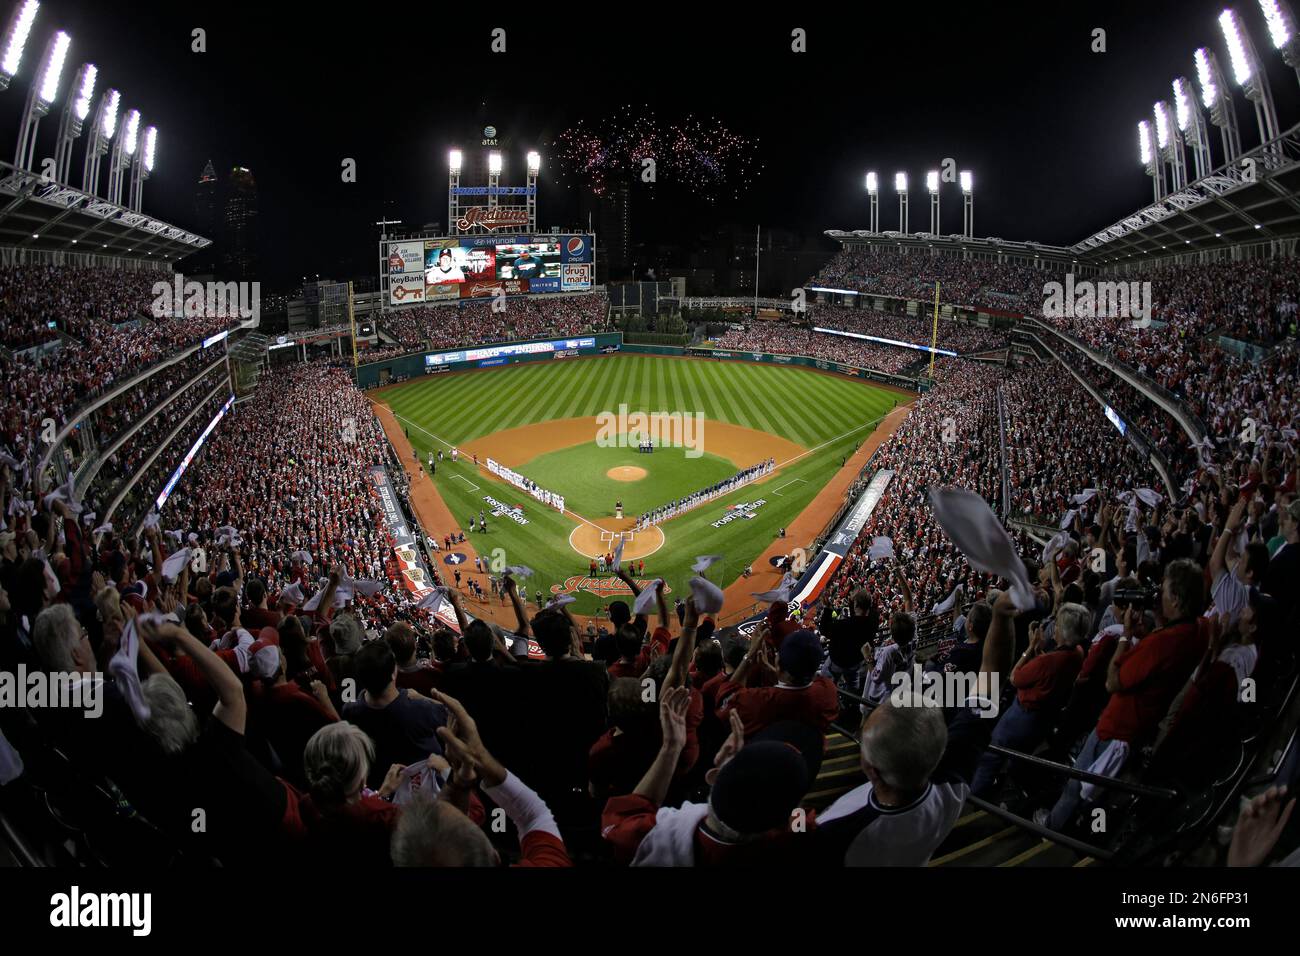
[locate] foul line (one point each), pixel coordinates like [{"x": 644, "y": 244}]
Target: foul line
[
  {"x": 832, "y": 441},
  {"x": 777, "y": 491},
  {"x": 468, "y": 482}
]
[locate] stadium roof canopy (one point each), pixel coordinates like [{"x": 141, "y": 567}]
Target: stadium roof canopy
[
  {"x": 47, "y": 216},
  {"x": 1253, "y": 199}
]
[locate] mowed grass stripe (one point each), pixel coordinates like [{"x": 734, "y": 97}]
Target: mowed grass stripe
[
  {"x": 685, "y": 371},
  {"x": 615, "y": 392},
  {"x": 570, "y": 379},
  {"x": 729, "y": 380},
  {"x": 594, "y": 382},
  {"x": 674, "y": 372},
  {"x": 758, "y": 380},
  {"x": 509, "y": 391},
  {"x": 717, "y": 407}
]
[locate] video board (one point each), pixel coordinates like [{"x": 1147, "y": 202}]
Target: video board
[{"x": 466, "y": 267}]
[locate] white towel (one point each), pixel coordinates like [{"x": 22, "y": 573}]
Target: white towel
[{"x": 977, "y": 533}]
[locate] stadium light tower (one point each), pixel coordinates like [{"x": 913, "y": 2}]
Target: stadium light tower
[
  {"x": 1146, "y": 150},
  {"x": 16, "y": 34},
  {"x": 42, "y": 96},
  {"x": 1170, "y": 143},
  {"x": 494, "y": 178},
  {"x": 455, "y": 159},
  {"x": 1246, "y": 71},
  {"x": 75, "y": 111},
  {"x": 932, "y": 185},
  {"x": 1191, "y": 123},
  {"x": 530, "y": 195},
  {"x": 101, "y": 134},
  {"x": 123, "y": 153},
  {"x": 1282, "y": 31},
  {"x": 900, "y": 187},
  {"x": 873, "y": 196},
  {"x": 1215, "y": 97},
  {"x": 144, "y": 167},
  {"x": 967, "y": 203}
]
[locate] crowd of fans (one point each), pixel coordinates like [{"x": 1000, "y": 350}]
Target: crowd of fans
[
  {"x": 283, "y": 681},
  {"x": 475, "y": 321}
]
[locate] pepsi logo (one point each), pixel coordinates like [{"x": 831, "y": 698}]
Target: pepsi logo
[{"x": 576, "y": 245}]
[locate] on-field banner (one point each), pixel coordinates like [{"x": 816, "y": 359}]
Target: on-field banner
[
  {"x": 490, "y": 352},
  {"x": 415, "y": 576}
]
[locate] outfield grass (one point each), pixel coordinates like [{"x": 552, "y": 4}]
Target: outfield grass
[{"x": 824, "y": 413}]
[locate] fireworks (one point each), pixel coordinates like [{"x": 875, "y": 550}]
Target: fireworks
[{"x": 701, "y": 156}]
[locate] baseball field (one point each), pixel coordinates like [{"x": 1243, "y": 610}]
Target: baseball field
[{"x": 572, "y": 427}]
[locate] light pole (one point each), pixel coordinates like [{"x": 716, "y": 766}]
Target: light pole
[
  {"x": 1191, "y": 123},
  {"x": 41, "y": 96},
  {"x": 123, "y": 152},
  {"x": 75, "y": 111},
  {"x": 873, "y": 196},
  {"x": 1282, "y": 31},
  {"x": 454, "y": 160},
  {"x": 900, "y": 187},
  {"x": 932, "y": 185},
  {"x": 16, "y": 34},
  {"x": 101, "y": 135},
  {"x": 1154, "y": 167},
  {"x": 1252, "y": 80},
  {"x": 967, "y": 204},
  {"x": 1214, "y": 95},
  {"x": 530, "y": 194},
  {"x": 1170, "y": 144}
]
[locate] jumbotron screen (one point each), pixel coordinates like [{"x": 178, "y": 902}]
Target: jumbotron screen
[{"x": 469, "y": 267}]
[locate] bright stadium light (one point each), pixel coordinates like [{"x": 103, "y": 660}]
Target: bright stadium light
[
  {"x": 52, "y": 68},
  {"x": 85, "y": 91},
  {"x": 873, "y": 184},
  {"x": 111, "y": 103},
  {"x": 20, "y": 28},
  {"x": 900, "y": 187},
  {"x": 932, "y": 180},
  {"x": 150, "y": 145},
  {"x": 1182, "y": 105},
  {"x": 1251, "y": 78},
  {"x": 132, "y": 132},
  {"x": 494, "y": 163},
  {"x": 454, "y": 159},
  {"x": 1144, "y": 142},
  {"x": 1206, "y": 75},
  {"x": 967, "y": 182},
  {"x": 1282, "y": 30},
  {"x": 1161, "y": 111},
  {"x": 534, "y": 162},
  {"x": 900, "y": 182}
]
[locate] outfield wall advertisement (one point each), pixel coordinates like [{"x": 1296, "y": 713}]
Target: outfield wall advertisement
[
  {"x": 803, "y": 360},
  {"x": 374, "y": 374}
]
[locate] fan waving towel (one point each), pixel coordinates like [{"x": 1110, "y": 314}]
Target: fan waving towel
[
  {"x": 175, "y": 564},
  {"x": 977, "y": 533},
  {"x": 948, "y": 603},
  {"x": 646, "y": 599},
  {"x": 433, "y": 600},
  {"x": 881, "y": 547},
  {"x": 708, "y": 596},
  {"x": 704, "y": 562},
  {"x": 618, "y": 552},
  {"x": 520, "y": 571},
  {"x": 123, "y": 667},
  {"x": 777, "y": 595}
]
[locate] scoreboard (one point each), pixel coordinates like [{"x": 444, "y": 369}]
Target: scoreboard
[{"x": 445, "y": 268}]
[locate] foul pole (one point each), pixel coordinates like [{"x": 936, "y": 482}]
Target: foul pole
[{"x": 352, "y": 322}]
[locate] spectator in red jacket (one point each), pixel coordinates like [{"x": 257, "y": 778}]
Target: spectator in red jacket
[{"x": 799, "y": 694}]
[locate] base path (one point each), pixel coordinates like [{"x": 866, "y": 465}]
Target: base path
[
  {"x": 594, "y": 538},
  {"x": 738, "y": 599}
]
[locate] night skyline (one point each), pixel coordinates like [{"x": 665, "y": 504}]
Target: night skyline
[{"x": 1047, "y": 126}]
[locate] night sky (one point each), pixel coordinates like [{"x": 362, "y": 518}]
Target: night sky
[{"x": 1047, "y": 126}]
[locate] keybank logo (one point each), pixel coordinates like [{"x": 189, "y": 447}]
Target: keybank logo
[{"x": 124, "y": 910}]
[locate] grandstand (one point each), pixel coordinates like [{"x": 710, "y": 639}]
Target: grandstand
[{"x": 223, "y": 532}]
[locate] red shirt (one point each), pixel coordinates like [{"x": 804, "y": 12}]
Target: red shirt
[
  {"x": 817, "y": 704},
  {"x": 422, "y": 680},
  {"x": 1044, "y": 682},
  {"x": 1150, "y": 677}
]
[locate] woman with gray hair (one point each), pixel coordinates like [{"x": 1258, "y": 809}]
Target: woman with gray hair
[
  {"x": 1043, "y": 678},
  {"x": 345, "y": 822}
]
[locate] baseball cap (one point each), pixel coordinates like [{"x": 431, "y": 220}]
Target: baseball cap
[
  {"x": 757, "y": 789},
  {"x": 800, "y": 655}
]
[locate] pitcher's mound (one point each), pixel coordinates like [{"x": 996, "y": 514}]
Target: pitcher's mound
[{"x": 626, "y": 473}]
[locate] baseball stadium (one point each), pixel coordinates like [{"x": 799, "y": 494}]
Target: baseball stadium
[{"x": 432, "y": 443}]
